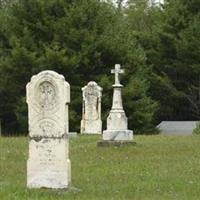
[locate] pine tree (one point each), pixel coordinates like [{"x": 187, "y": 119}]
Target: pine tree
[
  {"x": 179, "y": 48},
  {"x": 81, "y": 40}
]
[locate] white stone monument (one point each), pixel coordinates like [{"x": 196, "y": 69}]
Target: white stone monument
[
  {"x": 48, "y": 166},
  {"x": 91, "y": 115},
  {"x": 117, "y": 125}
]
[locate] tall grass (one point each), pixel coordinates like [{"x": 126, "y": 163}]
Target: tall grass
[{"x": 158, "y": 167}]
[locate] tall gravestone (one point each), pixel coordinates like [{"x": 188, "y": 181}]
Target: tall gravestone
[
  {"x": 48, "y": 166},
  {"x": 117, "y": 125},
  {"x": 91, "y": 115}
]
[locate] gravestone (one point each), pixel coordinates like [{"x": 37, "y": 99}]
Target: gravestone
[
  {"x": 91, "y": 115},
  {"x": 177, "y": 127},
  {"x": 48, "y": 166},
  {"x": 117, "y": 124}
]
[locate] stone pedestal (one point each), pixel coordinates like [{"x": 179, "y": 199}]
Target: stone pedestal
[
  {"x": 48, "y": 166},
  {"x": 117, "y": 125},
  {"x": 118, "y": 135}
]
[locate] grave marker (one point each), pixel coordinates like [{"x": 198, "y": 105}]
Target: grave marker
[
  {"x": 48, "y": 166},
  {"x": 91, "y": 115}
]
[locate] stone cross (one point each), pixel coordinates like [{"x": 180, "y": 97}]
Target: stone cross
[
  {"x": 48, "y": 97},
  {"x": 117, "y": 123},
  {"x": 117, "y": 71}
]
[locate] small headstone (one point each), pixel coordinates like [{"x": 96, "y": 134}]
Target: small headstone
[
  {"x": 117, "y": 125},
  {"x": 177, "y": 127},
  {"x": 91, "y": 115},
  {"x": 48, "y": 166}
]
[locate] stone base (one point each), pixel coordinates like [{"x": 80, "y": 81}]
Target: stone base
[
  {"x": 49, "y": 178},
  {"x": 118, "y": 135},
  {"x": 73, "y": 135},
  {"x": 106, "y": 143},
  {"x": 48, "y": 165},
  {"x": 91, "y": 127}
]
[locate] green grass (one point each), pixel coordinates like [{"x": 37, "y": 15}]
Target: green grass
[{"x": 157, "y": 168}]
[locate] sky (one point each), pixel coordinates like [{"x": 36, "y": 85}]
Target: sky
[{"x": 150, "y": 1}]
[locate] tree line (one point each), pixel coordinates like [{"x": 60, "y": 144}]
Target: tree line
[{"x": 159, "y": 48}]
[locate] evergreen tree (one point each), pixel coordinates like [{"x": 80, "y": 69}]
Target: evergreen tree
[
  {"x": 170, "y": 38},
  {"x": 81, "y": 40},
  {"x": 179, "y": 48}
]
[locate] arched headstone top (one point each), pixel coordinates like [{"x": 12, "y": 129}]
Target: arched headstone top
[
  {"x": 47, "y": 96},
  {"x": 49, "y": 73},
  {"x": 47, "y": 90},
  {"x": 92, "y": 87}
]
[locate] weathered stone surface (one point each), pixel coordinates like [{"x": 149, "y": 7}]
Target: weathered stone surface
[
  {"x": 119, "y": 135},
  {"x": 91, "y": 115},
  {"x": 117, "y": 124},
  {"x": 48, "y": 166},
  {"x": 48, "y": 96}
]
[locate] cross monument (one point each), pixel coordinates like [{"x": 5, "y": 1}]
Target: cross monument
[
  {"x": 117, "y": 123},
  {"x": 117, "y": 71}
]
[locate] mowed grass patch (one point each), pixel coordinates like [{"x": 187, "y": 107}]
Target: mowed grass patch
[{"x": 157, "y": 167}]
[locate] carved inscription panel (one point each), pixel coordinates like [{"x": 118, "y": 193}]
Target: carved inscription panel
[
  {"x": 46, "y": 94},
  {"x": 47, "y": 127},
  {"x": 47, "y": 152},
  {"x": 48, "y": 165},
  {"x": 48, "y": 98}
]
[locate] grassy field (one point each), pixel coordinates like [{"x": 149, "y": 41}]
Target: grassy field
[{"x": 157, "y": 168}]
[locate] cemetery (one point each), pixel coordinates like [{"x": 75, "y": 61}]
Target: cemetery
[{"x": 99, "y": 100}]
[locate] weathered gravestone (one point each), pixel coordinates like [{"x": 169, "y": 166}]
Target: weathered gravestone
[
  {"x": 117, "y": 124},
  {"x": 48, "y": 96},
  {"x": 91, "y": 115}
]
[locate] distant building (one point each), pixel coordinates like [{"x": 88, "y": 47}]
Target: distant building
[{"x": 177, "y": 127}]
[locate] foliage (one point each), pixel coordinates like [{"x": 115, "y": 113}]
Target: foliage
[
  {"x": 179, "y": 47},
  {"x": 170, "y": 37},
  {"x": 81, "y": 40}
]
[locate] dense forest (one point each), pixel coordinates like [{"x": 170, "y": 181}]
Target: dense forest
[{"x": 159, "y": 48}]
